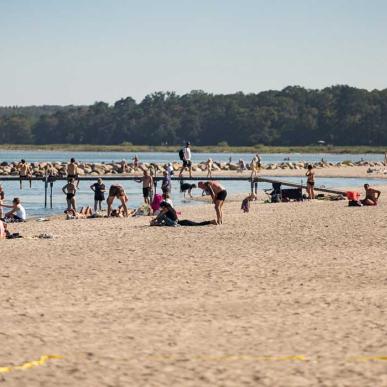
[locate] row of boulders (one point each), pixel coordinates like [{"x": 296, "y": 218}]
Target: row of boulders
[{"x": 96, "y": 169}]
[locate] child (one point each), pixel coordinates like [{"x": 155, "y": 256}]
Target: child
[
  {"x": 99, "y": 194},
  {"x": 245, "y": 207}
]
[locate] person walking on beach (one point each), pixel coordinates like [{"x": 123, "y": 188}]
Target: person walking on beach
[
  {"x": 371, "y": 196},
  {"x": 2, "y": 197},
  {"x": 210, "y": 165},
  {"x": 310, "y": 182},
  {"x": 147, "y": 184},
  {"x": 17, "y": 213},
  {"x": 99, "y": 194},
  {"x": 185, "y": 156},
  {"x": 117, "y": 191},
  {"x": 72, "y": 171},
  {"x": 218, "y": 195},
  {"x": 25, "y": 172},
  {"x": 70, "y": 190}
]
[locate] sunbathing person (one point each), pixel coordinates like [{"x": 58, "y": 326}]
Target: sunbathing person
[
  {"x": 117, "y": 191},
  {"x": 372, "y": 196},
  {"x": 218, "y": 195},
  {"x": 84, "y": 213},
  {"x": 168, "y": 217},
  {"x": 17, "y": 213}
]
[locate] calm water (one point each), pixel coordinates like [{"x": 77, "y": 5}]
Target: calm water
[{"x": 160, "y": 157}]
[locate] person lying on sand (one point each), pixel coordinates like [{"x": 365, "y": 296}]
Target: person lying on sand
[
  {"x": 168, "y": 217},
  {"x": 17, "y": 213},
  {"x": 372, "y": 196},
  {"x": 84, "y": 213},
  {"x": 218, "y": 195}
]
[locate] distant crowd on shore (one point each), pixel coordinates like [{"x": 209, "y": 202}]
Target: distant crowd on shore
[{"x": 159, "y": 205}]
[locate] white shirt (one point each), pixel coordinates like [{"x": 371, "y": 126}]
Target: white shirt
[
  {"x": 169, "y": 169},
  {"x": 187, "y": 153},
  {"x": 21, "y": 212}
]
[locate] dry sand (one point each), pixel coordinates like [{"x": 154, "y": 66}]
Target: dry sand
[{"x": 130, "y": 305}]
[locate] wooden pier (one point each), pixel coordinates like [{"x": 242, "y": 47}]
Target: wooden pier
[{"x": 50, "y": 180}]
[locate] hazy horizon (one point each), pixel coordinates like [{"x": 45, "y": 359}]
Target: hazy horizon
[{"x": 81, "y": 52}]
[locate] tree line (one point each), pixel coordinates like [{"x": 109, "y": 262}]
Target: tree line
[{"x": 294, "y": 116}]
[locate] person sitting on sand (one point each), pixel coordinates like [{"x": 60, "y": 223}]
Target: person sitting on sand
[
  {"x": 245, "y": 207},
  {"x": 25, "y": 172},
  {"x": 72, "y": 171},
  {"x": 117, "y": 191},
  {"x": 168, "y": 217},
  {"x": 99, "y": 193},
  {"x": 371, "y": 196},
  {"x": 147, "y": 185},
  {"x": 17, "y": 213},
  {"x": 310, "y": 182},
  {"x": 218, "y": 195},
  {"x": 2, "y": 197},
  {"x": 70, "y": 190}
]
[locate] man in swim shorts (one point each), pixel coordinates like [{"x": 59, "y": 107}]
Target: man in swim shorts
[
  {"x": 147, "y": 184},
  {"x": 372, "y": 196},
  {"x": 218, "y": 195},
  {"x": 72, "y": 171},
  {"x": 25, "y": 172},
  {"x": 117, "y": 191}
]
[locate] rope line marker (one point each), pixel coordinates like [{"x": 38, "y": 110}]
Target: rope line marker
[{"x": 30, "y": 364}]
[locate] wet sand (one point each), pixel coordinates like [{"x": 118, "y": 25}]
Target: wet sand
[{"x": 291, "y": 294}]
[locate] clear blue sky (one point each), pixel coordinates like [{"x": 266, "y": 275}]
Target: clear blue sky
[{"x": 82, "y": 51}]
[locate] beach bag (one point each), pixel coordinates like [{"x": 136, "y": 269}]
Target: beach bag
[
  {"x": 354, "y": 203},
  {"x": 181, "y": 154}
]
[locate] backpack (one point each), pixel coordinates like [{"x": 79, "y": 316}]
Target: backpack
[{"x": 181, "y": 154}]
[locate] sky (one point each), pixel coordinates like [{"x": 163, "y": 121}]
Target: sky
[{"x": 61, "y": 52}]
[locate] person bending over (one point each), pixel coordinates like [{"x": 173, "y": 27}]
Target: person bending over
[
  {"x": 218, "y": 195},
  {"x": 117, "y": 191},
  {"x": 371, "y": 196}
]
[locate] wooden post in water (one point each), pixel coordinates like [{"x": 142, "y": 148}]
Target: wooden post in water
[
  {"x": 51, "y": 185},
  {"x": 45, "y": 191}
]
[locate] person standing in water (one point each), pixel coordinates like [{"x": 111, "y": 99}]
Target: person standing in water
[
  {"x": 24, "y": 172},
  {"x": 70, "y": 190},
  {"x": 218, "y": 195},
  {"x": 310, "y": 182},
  {"x": 147, "y": 185},
  {"x": 99, "y": 194}
]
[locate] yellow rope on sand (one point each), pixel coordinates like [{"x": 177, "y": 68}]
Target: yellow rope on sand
[{"x": 30, "y": 364}]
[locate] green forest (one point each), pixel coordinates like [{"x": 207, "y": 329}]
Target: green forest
[{"x": 295, "y": 116}]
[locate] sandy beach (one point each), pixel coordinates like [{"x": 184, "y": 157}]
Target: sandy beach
[{"x": 291, "y": 294}]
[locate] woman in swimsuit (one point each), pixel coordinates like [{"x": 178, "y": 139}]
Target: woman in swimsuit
[
  {"x": 218, "y": 195},
  {"x": 310, "y": 182},
  {"x": 99, "y": 194},
  {"x": 70, "y": 190}
]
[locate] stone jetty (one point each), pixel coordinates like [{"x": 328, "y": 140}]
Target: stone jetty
[{"x": 40, "y": 169}]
